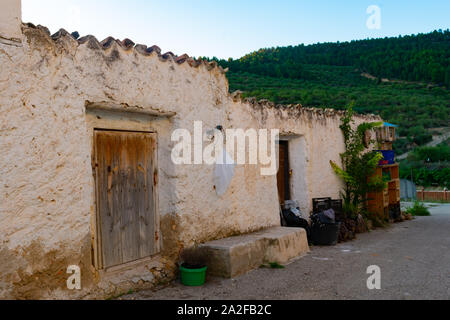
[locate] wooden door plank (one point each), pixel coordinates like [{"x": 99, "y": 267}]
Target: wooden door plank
[
  {"x": 146, "y": 207},
  {"x": 114, "y": 189},
  {"x": 129, "y": 222},
  {"x": 107, "y": 202},
  {"x": 150, "y": 193}
]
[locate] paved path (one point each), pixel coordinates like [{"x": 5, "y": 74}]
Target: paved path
[{"x": 414, "y": 258}]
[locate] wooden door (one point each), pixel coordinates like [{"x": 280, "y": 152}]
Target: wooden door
[
  {"x": 126, "y": 196},
  {"x": 283, "y": 173}
]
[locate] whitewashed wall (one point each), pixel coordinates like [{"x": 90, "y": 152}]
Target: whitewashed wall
[{"x": 47, "y": 215}]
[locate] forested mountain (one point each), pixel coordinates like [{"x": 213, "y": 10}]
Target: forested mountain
[
  {"x": 420, "y": 58},
  {"x": 404, "y": 79}
]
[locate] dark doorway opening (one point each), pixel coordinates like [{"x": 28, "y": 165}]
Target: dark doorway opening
[{"x": 283, "y": 176}]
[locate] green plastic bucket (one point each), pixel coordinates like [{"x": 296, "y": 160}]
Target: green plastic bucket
[{"x": 193, "y": 277}]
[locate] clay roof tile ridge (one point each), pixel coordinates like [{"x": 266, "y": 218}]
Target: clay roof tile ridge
[
  {"x": 107, "y": 42},
  {"x": 127, "y": 44}
]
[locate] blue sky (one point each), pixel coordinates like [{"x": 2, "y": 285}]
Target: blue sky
[{"x": 233, "y": 28}]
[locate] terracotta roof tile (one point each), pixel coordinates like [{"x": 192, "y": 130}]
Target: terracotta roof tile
[
  {"x": 154, "y": 49},
  {"x": 142, "y": 49},
  {"x": 106, "y": 43},
  {"x": 182, "y": 58},
  {"x": 44, "y": 29},
  {"x": 59, "y": 34},
  {"x": 127, "y": 44},
  {"x": 168, "y": 55}
]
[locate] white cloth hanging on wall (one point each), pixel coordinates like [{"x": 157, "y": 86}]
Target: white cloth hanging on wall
[{"x": 224, "y": 173}]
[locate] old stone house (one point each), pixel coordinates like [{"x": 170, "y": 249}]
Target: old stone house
[{"x": 74, "y": 112}]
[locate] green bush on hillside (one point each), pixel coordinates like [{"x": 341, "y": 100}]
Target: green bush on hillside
[{"x": 428, "y": 166}]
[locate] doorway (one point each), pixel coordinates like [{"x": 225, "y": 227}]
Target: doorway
[
  {"x": 284, "y": 172},
  {"x": 126, "y": 181}
]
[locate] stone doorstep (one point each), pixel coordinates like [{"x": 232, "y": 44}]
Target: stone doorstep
[{"x": 231, "y": 257}]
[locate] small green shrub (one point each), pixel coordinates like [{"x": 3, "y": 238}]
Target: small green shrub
[
  {"x": 276, "y": 265},
  {"x": 419, "y": 210}
]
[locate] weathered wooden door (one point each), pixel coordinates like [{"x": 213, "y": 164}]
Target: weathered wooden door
[
  {"x": 284, "y": 173},
  {"x": 126, "y": 196}
]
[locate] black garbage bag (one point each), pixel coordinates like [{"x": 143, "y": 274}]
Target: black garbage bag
[
  {"x": 324, "y": 229},
  {"x": 294, "y": 221},
  {"x": 327, "y": 216}
]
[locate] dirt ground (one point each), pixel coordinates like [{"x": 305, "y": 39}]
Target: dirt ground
[{"x": 414, "y": 258}]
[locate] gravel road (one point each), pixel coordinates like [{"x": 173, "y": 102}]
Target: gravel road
[{"x": 414, "y": 258}]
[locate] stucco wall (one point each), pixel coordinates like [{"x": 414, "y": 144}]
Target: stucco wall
[
  {"x": 47, "y": 201},
  {"x": 314, "y": 139},
  {"x": 10, "y": 20}
]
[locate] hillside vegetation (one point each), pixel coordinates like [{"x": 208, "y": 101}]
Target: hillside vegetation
[
  {"x": 403, "y": 79},
  {"x": 428, "y": 166}
]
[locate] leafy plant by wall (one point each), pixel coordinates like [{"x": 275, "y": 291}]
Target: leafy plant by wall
[{"x": 359, "y": 165}]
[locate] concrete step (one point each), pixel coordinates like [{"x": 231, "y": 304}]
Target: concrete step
[{"x": 231, "y": 257}]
